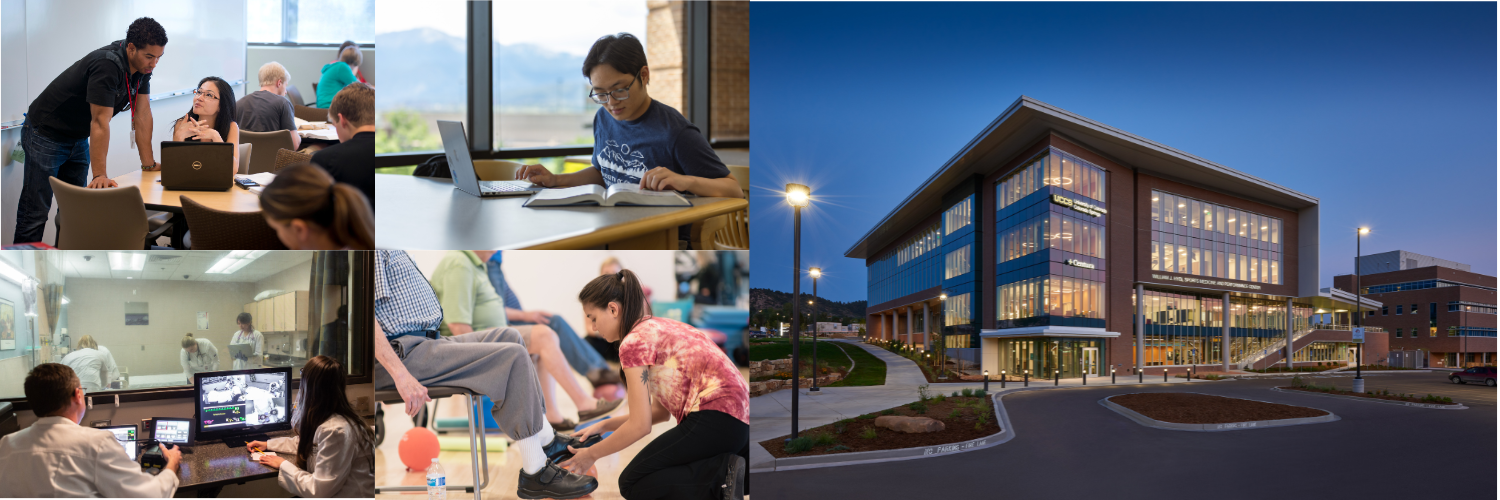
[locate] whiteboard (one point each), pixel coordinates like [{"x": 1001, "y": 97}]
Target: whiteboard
[{"x": 204, "y": 38}]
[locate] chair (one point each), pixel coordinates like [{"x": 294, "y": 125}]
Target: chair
[
  {"x": 729, "y": 231},
  {"x": 218, "y": 230},
  {"x": 268, "y": 142},
  {"x": 496, "y": 170},
  {"x": 286, "y": 158},
  {"x": 294, "y": 95},
  {"x": 108, "y": 219},
  {"x": 244, "y": 166},
  {"x": 309, "y": 114},
  {"x": 478, "y": 451}
]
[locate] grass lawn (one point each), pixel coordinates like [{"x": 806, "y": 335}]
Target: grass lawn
[{"x": 868, "y": 369}]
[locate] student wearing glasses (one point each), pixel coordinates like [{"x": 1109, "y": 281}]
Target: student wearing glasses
[
  {"x": 211, "y": 118},
  {"x": 639, "y": 140}
]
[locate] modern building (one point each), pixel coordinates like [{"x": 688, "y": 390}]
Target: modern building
[
  {"x": 1028, "y": 250},
  {"x": 1438, "y": 313}
]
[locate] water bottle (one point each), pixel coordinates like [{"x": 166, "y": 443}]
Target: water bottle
[{"x": 437, "y": 482}]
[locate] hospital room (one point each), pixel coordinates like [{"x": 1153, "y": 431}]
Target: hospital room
[{"x": 209, "y": 369}]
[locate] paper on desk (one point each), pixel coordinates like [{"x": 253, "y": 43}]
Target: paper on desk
[
  {"x": 263, "y": 178},
  {"x": 326, "y": 134},
  {"x": 255, "y": 455}
]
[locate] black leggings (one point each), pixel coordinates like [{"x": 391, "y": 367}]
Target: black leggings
[{"x": 687, "y": 462}]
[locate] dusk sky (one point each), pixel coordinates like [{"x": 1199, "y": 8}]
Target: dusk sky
[{"x": 1384, "y": 112}]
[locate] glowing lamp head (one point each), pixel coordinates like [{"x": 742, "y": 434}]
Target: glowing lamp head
[
  {"x": 815, "y": 272},
  {"x": 943, "y": 296},
  {"x": 797, "y": 195},
  {"x": 1364, "y": 230}
]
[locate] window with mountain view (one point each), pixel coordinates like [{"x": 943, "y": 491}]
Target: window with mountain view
[{"x": 424, "y": 61}]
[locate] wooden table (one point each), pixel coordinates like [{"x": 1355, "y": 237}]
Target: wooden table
[
  {"x": 236, "y": 199},
  {"x": 425, "y": 213}
]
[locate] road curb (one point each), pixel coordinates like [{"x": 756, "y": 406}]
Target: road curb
[
  {"x": 1233, "y": 426},
  {"x": 1455, "y": 406}
]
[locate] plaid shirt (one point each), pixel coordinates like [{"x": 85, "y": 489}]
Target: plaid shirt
[{"x": 404, "y": 300}]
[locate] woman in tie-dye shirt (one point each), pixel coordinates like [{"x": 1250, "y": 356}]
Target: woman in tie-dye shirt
[{"x": 670, "y": 369}]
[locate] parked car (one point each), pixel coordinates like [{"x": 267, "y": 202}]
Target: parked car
[{"x": 1479, "y": 375}]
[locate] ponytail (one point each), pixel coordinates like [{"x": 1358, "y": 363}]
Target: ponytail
[
  {"x": 189, "y": 341},
  {"x": 621, "y": 288},
  {"x": 307, "y": 192},
  {"x": 352, "y": 225}
]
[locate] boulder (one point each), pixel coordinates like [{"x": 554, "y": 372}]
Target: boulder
[{"x": 909, "y": 425}]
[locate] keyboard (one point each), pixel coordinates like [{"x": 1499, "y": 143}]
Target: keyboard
[{"x": 502, "y": 187}]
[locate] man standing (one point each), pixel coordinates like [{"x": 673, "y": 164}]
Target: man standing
[
  {"x": 267, "y": 109},
  {"x": 352, "y": 160},
  {"x": 66, "y": 133}
]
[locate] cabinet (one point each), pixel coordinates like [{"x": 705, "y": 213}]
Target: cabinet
[{"x": 283, "y": 313}]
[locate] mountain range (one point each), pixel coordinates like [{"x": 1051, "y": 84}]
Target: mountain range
[
  {"x": 426, "y": 69},
  {"x": 762, "y": 298}
]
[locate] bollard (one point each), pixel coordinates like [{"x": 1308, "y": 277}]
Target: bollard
[
  {"x": 986, "y": 381},
  {"x": 1111, "y": 375},
  {"x": 1163, "y": 374},
  {"x": 1056, "y": 376},
  {"x": 1026, "y": 379},
  {"x": 1085, "y": 377},
  {"x": 1002, "y": 380}
]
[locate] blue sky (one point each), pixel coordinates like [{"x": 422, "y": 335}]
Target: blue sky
[{"x": 1385, "y": 112}]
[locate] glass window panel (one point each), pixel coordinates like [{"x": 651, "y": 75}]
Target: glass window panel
[
  {"x": 1265, "y": 271},
  {"x": 1208, "y": 217},
  {"x": 1196, "y": 216},
  {"x": 1219, "y": 214},
  {"x": 335, "y": 21},
  {"x": 1276, "y": 231},
  {"x": 1156, "y": 256},
  {"x": 263, "y": 21},
  {"x": 1168, "y": 251},
  {"x": 1208, "y": 263},
  {"x": 1275, "y": 273},
  {"x": 1155, "y": 206},
  {"x": 1254, "y": 226},
  {"x": 408, "y": 120},
  {"x": 1169, "y": 208}
]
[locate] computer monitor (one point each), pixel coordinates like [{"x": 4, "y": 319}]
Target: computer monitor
[
  {"x": 125, "y": 435},
  {"x": 241, "y": 403},
  {"x": 177, "y": 431}
]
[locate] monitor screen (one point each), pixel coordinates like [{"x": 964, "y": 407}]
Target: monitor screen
[
  {"x": 172, "y": 431},
  {"x": 243, "y": 401},
  {"x": 125, "y": 435}
]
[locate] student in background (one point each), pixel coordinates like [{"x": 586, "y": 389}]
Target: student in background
[
  {"x": 359, "y": 58},
  {"x": 198, "y": 356},
  {"x": 352, "y": 160},
  {"x": 267, "y": 109},
  {"x": 309, "y": 211},
  {"x": 333, "y": 452},
  {"x": 247, "y": 334},
  {"x": 337, "y": 75},
  {"x": 212, "y": 117},
  {"x": 66, "y": 133},
  {"x": 56, "y": 457},
  {"x": 94, "y": 367},
  {"x": 670, "y": 369}
]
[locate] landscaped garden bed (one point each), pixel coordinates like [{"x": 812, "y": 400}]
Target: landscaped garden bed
[
  {"x": 968, "y": 416},
  {"x": 1190, "y": 408},
  {"x": 1299, "y": 385}
]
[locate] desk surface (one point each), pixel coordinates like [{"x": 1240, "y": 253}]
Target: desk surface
[
  {"x": 235, "y": 199},
  {"x": 216, "y": 464},
  {"x": 429, "y": 213}
]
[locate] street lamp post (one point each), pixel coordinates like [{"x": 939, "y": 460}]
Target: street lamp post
[
  {"x": 797, "y": 197},
  {"x": 1359, "y": 314},
  {"x": 815, "y": 272}
]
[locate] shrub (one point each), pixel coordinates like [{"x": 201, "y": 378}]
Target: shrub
[
  {"x": 840, "y": 448},
  {"x": 940, "y": 398},
  {"x": 955, "y": 394},
  {"x": 839, "y": 427},
  {"x": 978, "y": 426},
  {"x": 922, "y": 393},
  {"x": 979, "y": 393},
  {"x": 823, "y": 439},
  {"x": 984, "y": 417},
  {"x": 799, "y": 445},
  {"x": 918, "y": 407},
  {"x": 867, "y": 416},
  {"x": 955, "y": 413},
  {"x": 869, "y": 433},
  {"x": 967, "y": 392},
  {"x": 888, "y": 411},
  {"x": 1297, "y": 381}
]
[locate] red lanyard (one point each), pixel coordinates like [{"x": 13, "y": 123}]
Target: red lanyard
[{"x": 130, "y": 94}]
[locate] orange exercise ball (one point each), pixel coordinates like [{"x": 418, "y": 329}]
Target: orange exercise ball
[{"x": 418, "y": 447}]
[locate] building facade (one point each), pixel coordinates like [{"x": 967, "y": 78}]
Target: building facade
[
  {"x": 1055, "y": 244},
  {"x": 1441, "y": 315}
]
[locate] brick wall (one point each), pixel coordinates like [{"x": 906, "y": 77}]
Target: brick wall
[{"x": 729, "y": 77}]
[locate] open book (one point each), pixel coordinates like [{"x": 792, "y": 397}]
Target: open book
[{"x": 616, "y": 195}]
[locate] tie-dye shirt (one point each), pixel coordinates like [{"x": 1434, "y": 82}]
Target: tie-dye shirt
[{"x": 685, "y": 371}]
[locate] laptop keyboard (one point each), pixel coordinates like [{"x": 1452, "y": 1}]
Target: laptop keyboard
[{"x": 500, "y": 187}]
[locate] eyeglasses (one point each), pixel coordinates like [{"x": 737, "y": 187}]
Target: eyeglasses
[
  {"x": 617, "y": 95},
  {"x": 205, "y": 93}
]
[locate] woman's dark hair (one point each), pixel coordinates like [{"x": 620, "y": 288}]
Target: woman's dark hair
[
  {"x": 145, "y": 32},
  {"x": 320, "y": 398},
  {"x": 225, "y": 118},
  {"x": 243, "y": 319},
  {"x": 623, "y": 52},
  {"x": 307, "y": 192},
  {"x": 359, "y": 57},
  {"x": 622, "y": 288}
]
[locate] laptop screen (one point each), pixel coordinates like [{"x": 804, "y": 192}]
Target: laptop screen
[
  {"x": 125, "y": 435},
  {"x": 456, "y": 145}
]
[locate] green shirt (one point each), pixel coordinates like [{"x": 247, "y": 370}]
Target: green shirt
[
  {"x": 464, "y": 291},
  {"x": 336, "y": 76}
]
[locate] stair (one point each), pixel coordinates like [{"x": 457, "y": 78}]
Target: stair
[{"x": 1275, "y": 352}]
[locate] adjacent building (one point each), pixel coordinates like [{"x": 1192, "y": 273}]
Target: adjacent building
[
  {"x": 1055, "y": 243},
  {"x": 1438, "y": 312}
]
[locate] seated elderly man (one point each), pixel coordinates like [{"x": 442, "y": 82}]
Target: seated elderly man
[{"x": 56, "y": 457}]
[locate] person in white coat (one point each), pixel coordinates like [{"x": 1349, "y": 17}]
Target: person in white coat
[
  {"x": 333, "y": 451},
  {"x": 247, "y": 334},
  {"x": 94, "y": 366},
  {"x": 198, "y": 356},
  {"x": 55, "y": 457}
]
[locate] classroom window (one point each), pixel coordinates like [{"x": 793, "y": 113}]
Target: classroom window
[
  {"x": 1056, "y": 168},
  {"x": 958, "y": 263},
  {"x": 1471, "y": 307},
  {"x": 321, "y": 22},
  {"x": 958, "y": 216},
  {"x": 424, "y": 78}
]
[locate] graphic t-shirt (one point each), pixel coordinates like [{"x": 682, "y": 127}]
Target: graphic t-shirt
[
  {"x": 685, "y": 371},
  {"x": 662, "y": 137}
]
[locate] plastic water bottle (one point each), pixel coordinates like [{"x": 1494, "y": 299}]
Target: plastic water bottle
[{"x": 437, "y": 482}]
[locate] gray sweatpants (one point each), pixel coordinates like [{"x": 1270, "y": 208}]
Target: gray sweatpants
[{"x": 492, "y": 362}]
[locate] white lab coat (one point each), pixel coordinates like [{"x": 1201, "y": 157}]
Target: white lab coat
[
  {"x": 342, "y": 463},
  {"x": 95, "y": 368},
  {"x": 254, "y": 337},
  {"x": 109, "y": 363},
  {"x": 205, "y": 360},
  {"x": 56, "y": 458}
]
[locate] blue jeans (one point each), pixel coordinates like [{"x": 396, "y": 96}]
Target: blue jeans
[
  {"x": 46, "y": 157},
  {"x": 580, "y": 355}
]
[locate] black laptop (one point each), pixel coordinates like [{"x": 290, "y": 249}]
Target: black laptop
[{"x": 197, "y": 166}]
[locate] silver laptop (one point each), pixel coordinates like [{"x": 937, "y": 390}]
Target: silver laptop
[
  {"x": 197, "y": 166},
  {"x": 456, "y": 145}
]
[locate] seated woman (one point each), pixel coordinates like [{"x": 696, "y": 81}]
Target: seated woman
[
  {"x": 309, "y": 211},
  {"x": 670, "y": 368},
  {"x": 333, "y": 452},
  {"x": 212, "y": 117}
]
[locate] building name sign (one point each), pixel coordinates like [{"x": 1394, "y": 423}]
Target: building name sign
[
  {"x": 1086, "y": 208},
  {"x": 1187, "y": 279},
  {"x": 1079, "y": 263}
]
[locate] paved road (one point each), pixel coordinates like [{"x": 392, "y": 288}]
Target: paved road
[{"x": 1068, "y": 446}]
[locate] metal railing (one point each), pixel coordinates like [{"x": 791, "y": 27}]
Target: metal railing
[{"x": 1280, "y": 345}]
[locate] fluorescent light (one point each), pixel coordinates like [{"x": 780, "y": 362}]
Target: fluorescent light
[
  {"x": 12, "y": 274},
  {"x": 126, "y": 261},
  {"x": 65, "y": 299},
  {"x": 234, "y": 261}
]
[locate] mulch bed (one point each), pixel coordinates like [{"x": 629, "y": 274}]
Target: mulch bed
[
  {"x": 1391, "y": 397},
  {"x": 1185, "y": 408},
  {"x": 955, "y": 430}
]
